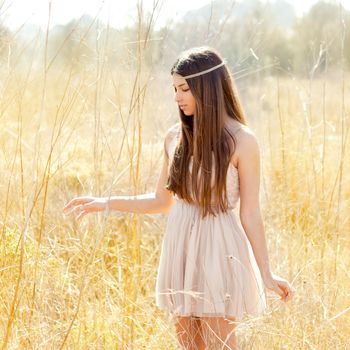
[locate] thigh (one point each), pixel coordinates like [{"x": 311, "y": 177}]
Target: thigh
[
  {"x": 219, "y": 331},
  {"x": 185, "y": 322},
  {"x": 188, "y": 332}
]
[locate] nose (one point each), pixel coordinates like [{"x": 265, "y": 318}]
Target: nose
[{"x": 177, "y": 96}]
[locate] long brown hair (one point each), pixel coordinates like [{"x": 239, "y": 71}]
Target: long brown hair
[{"x": 205, "y": 132}]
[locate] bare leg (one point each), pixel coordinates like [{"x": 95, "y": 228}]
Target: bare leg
[
  {"x": 219, "y": 333},
  {"x": 188, "y": 332}
]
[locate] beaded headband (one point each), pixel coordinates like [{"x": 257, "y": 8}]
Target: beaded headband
[{"x": 204, "y": 71}]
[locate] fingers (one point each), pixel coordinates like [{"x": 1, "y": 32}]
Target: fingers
[
  {"x": 281, "y": 287},
  {"x": 72, "y": 203},
  {"x": 80, "y": 205},
  {"x": 85, "y": 209},
  {"x": 280, "y": 291},
  {"x": 82, "y": 209},
  {"x": 81, "y": 215},
  {"x": 291, "y": 293},
  {"x": 287, "y": 290},
  {"x": 75, "y": 202}
]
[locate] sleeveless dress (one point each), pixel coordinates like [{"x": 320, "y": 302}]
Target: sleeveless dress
[{"x": 207, "y": 266}]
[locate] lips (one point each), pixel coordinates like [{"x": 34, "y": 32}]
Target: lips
[{"x": 182, "y": 106}]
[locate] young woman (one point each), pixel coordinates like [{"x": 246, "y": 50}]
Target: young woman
[{"x": 213, "y": 265}]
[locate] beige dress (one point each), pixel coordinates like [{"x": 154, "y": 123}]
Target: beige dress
[{"x": 207, "y": 266}]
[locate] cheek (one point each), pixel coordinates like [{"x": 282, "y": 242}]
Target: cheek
[
  {"x": 191, "y": 100},
  {"x": 193, "y": 103},
  {"x": 193, "y": 107}
]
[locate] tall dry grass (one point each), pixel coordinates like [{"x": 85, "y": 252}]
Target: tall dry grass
[{"x": 92, "y": 129}]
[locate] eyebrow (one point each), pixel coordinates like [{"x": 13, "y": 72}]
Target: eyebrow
[{"x": 180, "y": 84}]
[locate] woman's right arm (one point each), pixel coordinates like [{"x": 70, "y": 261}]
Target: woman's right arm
[{"x": 159, "y": 201}]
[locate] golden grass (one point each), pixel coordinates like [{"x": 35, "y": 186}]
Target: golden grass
[{"x": 68, "y": 132}]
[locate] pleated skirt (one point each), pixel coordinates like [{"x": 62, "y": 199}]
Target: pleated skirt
[{"x": 207, "y": 266}]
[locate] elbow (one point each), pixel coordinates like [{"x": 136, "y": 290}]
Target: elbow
[
  {"x": 165, "y": 210},
  {"x": 168, "y": 206},
  {"x": 165, "y": 206},
  {"x": 249, "y": 215}
]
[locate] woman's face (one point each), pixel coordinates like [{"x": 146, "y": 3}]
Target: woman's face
[{"x": 183, "y": 95}]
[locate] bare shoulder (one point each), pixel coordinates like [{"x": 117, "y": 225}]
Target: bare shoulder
[
  {"x": 246, "y": 136},
  {"x": 247, "y": 144},
  {"x": 246, "y": 141}
]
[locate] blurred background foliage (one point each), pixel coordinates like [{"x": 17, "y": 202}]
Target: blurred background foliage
[
  {"x": 248, "y": 33},
  {"x": 84, "y": 108}
]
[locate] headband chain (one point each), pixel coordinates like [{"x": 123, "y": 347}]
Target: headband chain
[{"x": 204, "y": 71}]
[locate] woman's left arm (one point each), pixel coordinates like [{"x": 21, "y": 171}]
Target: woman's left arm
[{"x": 250, "y": 214}]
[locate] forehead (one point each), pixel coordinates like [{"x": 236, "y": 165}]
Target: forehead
[{"x": 178, "y": 80}]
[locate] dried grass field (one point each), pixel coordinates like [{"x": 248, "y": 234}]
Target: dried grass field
[{"x": 98, "y": 128}]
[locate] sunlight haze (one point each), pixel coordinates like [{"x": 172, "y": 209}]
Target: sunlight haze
[{"x": 117, "y": 13}]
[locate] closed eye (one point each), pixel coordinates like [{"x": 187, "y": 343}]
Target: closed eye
[{"x": 182, "y": 90}]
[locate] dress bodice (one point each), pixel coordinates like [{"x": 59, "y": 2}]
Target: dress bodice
[{"x": 232, "y": 179}]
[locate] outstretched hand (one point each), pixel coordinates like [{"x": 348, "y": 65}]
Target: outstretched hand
[
  {"x": 280, "y": 286},
  {"x": 85, "y": 205}
]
